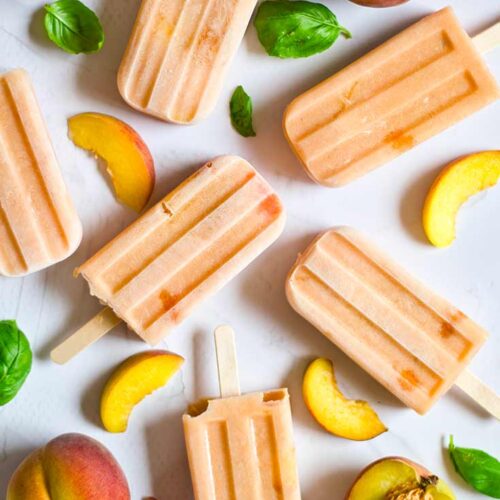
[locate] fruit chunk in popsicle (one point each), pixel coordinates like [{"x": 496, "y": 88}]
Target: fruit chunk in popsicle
[
  {"x": 242, "y": 446},
  {"x": 178, "y": 56},
  {"x": 181, "y": 251},
  {"x": 38, "y": 222},
  {"x": 412, "y": 341},
  {"x": 412, "y": 87}
]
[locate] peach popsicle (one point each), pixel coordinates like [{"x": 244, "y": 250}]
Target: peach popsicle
[
  {"x": 412, "y": 341},
  {"x": 178, "y": 56},
  {"x": 184, "y": 249},
  {"x": 412, "y": 87},
  {"x": 38, "y": 223},
  {"x": 241, "y": 446}
]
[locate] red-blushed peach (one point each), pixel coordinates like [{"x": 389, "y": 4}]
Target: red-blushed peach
[
  {"x": 128, "y": 160},
  {"x": 397, "y": 478},
  {"x": 70, "y": 467}
]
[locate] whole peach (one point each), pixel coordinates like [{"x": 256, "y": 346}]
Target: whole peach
[{"x": 70, "y": 467}]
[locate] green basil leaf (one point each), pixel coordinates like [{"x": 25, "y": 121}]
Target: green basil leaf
[
  {"x": 296, "y": 29},
  {"x": 15, "y": 360},
  {"x": 241, "y": 110},
  {"x": 480, "y": 470},
  {"x": 73, "y": 27}
]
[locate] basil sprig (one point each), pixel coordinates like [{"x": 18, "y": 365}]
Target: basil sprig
[
  {"x": 73, "y": 27},
  {"x": 296, "y": 29},
  {"x": 15, "y": 360},
  {"x": 480, "y": 470},
  {"x": 241, "y": 110}
]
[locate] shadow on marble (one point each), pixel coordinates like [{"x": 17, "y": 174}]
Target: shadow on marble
[
  {"x": 467, "y": 403},
  {"x": 9, "y": 461},
  {"x": 37, "y": 31},
  {"x": 97, "y": 78},
  {"x": 412, "y": 204},
  {"x": 168, "y": 464},
  {"x": 91, "y": 399},
  {"x": 333, "y": 486}
]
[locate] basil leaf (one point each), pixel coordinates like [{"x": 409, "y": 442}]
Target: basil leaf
[
  {"x": 241, "y": 110},
  {"x": 480, "y": 470},
  {"x": 15, "y": 360},
  {"x": 296, "y": 29},
  {"x": 73, "y": 27}
]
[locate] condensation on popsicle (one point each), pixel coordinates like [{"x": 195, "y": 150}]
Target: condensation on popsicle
[
  {"x": 178, "y": 55},
  {"x": 412, "y": 87},
  {"x": 38, "y": 222},
  {"x": 186, "y": 247},
  {"x": 412, "y": 341}
]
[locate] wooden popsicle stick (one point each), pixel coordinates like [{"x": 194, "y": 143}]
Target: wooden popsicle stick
[
  {"x": 89, "y": 333},
  {"x": 227, "y": 363},
  {"x": 489, "y": 39},
  {"x": 482, "y": 394}
]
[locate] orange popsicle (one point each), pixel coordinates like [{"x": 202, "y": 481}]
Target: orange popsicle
[
  {"x": 178, "y": 56},
  {"x": 241, "y": 447},
  {"x": 412, "y": 87},
  {"x": 412, "y": 341},
  {"x": 38, "y": 222},
  {"x": 183, "y": 250}
]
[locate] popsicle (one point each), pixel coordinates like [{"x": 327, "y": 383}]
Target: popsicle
[
  {"x": 412, "y": 341},
  {"x": 412, "y": 87},
  {"x": 183, "y": 250},
  {"x": 241, "y": 447},
  {"x": 38, "y": 223},
  {"x": 178, "y": 56}
]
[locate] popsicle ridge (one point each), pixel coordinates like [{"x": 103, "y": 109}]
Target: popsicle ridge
[
  {"x": 242, "y": 447},
  {"x": 412, "y": 341},
  {"x": 38, "y": 222},
  {"x": 408, "y": 89},
  {"x": 178, "y": 55},
  {"x": 186, "y": 247}
]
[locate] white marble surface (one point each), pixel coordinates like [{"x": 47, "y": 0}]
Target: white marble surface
[{"x": 274, "y": 343}]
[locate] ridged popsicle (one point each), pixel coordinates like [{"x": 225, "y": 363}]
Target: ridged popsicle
[
  {"x": 412, "y": 341},
  {"x": 185, "y": 248},
  {"x": 38, "y": 222},
  {"x": 178, "y": 56},
  {"x": 412, "y": 87}
]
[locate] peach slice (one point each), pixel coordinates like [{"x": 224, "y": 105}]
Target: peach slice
[
  {"x": 128, "y": 160},
  {"x": 132, "y": 381},
  {"x": 454, "y": 185},
  {"x": 397, "y": 478},
  {"x": 343, "y": 417}
]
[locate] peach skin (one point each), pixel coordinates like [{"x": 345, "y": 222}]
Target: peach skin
[
  {"x": 459, "y": 181},
  {"x": 132, "y": 381},
  {"x": 343, "y": 417},
  {"x": 70, "y": 467},
  {"x": 397, "y": 478},
  {"x": 128, "y": 160}
]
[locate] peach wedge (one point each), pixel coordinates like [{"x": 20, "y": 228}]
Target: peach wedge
[
  {"x": 397, "y": 478},
  {"x": 453, "y": 187},
  {"x": 343, "y": 417},
  {"x": 128, "y": 160},
  {"x": 132, "y": 381}
]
